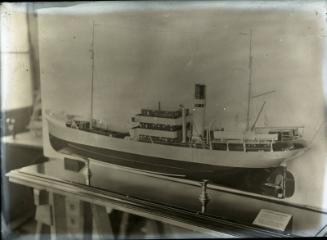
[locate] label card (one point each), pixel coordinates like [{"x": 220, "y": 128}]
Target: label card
[{"x": 272, "y": 219}]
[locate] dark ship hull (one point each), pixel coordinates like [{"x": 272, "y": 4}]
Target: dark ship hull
[{"x": 247, "y": 179}]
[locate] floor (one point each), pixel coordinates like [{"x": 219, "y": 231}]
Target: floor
[
  {"x": 137, "y": 228},
  {"x": 25, "y": 231}
]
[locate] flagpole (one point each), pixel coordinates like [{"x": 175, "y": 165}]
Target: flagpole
[{"x": 92, "y": 78}]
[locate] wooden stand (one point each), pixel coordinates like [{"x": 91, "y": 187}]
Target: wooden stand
[{"x": 57, "y": 215}]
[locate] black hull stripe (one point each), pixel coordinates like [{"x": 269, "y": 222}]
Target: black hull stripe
[{"x": 124, "y": 159}]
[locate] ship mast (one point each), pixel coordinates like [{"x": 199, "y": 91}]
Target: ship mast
[
  {"x": 250, "y": 85},
  {"x": 92, "y": 78}
]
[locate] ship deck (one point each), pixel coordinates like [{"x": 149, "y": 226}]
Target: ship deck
[{"x": 250, "y": 146}]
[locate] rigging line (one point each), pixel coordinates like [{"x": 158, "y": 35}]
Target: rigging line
[
  {"x": 317, "y": 131},
  {"x": 265, "y": 93},
  {"x": 321, "y": 230},
  {"x": 258, "y": 116}
]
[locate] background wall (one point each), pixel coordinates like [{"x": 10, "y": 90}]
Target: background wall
[
  {"x": 16, "y": 82},
  {"x": 150, "y": 52},
  {"x": 16, "y": 68}
]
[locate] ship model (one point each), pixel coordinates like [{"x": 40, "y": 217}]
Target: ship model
[
  {"x": 176, "y": 140},
  {"x": 177, "y": 143}
]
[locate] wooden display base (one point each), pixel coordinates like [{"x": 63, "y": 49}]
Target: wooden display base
[{"x": 83, "y": 200}]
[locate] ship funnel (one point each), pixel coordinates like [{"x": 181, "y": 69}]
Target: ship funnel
[{"x": 199, "y": 111}]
